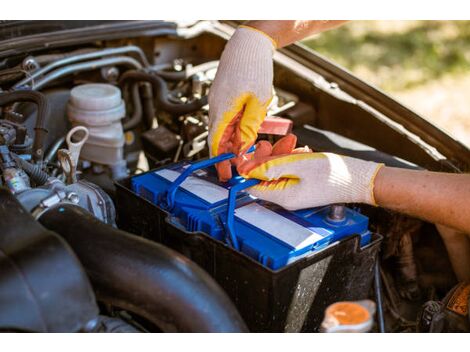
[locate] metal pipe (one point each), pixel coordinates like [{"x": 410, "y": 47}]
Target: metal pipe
[
  {"x": 82, "y": 57},
  {"x": 86, "y": 66},
  {"x": 144, "y": 277}
]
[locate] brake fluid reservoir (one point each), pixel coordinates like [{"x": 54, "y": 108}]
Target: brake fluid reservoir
[{"x": 100, "y": 108}]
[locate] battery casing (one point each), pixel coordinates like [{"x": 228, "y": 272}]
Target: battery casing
[
  {"x": 265, "y": 232},
  {"x": 290, "y": 299}
]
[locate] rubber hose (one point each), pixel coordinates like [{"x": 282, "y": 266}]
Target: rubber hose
[
  {"x": 378, "y": 296},
  {"x": 144, "y": 277},
  {"x": 149, "y": 111},
  {"x": 35, "y": 172},
  {"x": 136, "y": 117},
  {"x": 40, "y": 130},
  {"x": 160, "y": 90}
]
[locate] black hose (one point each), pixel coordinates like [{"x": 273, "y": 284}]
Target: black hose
[
  {"x": 35, "y": 172},
  {"x": 160, "y": 90},
  {"x": 378, "y": 296},
  {"x": 136, "y": 117},
  {"x": 149, "y": 110},
  {"x": 144, "y": 277},
  {"x": 40, "y": 130}
]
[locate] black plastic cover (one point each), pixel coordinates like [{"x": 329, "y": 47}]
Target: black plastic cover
[
  {"x": 160, "y": 143},
  {"x": 43, "y": 287}
]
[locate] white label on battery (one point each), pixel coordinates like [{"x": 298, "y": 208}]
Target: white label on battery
[
  {"x": 287, "y": 231},
  {"x": 203, "y": 189}
]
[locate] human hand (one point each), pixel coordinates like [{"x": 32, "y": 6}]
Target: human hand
[
  {"x": 299, "y": 178},
  {"x": 240, "y": 95}
]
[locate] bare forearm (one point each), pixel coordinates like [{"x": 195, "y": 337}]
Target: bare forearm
[
  {"x": 436, "y": 197},
  {"x": 288, "y": 32}
]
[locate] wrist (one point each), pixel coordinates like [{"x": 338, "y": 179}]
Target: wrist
[
  {"x": 266, "y": 34},
  {"x": 371, "y": 189},
  {"x": 355, "y": 178},
  {"x": 279, "y": 31}
]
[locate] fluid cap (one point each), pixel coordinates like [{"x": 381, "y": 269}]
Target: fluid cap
[
  {"x": 95, "y": 104},
  {"x": 95, "y": 96},
  {"x": 356, "y": 316}
]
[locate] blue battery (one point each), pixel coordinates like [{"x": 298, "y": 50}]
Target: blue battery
[
  {"x": 269, "y": 234},
  {"x": 276, "y": 237},
  {"x": 199, "y": 202}
]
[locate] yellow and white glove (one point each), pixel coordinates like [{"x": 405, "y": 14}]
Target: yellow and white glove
[
  {"x": 240, "y": 94},
  {"x": 297, "y": 179}
]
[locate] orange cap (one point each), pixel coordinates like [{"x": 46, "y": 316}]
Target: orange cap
[
  {"x": 348, "y": 313},
  {"x": 345, "y": 316}
]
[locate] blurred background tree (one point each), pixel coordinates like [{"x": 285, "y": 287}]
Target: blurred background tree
[{"x": 424, "y": 64}]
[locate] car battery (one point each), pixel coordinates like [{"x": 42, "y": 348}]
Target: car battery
[
  {"x": 198, "y": 201},
  {"x": 265, "y": 232},
  {"x": 276, "y": 237},
  {"x": 281, "y": 277}
]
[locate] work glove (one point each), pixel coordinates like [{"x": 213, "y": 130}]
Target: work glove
[
  {"x": 299, "y": 178},
  {"x": 240, "y": 95}
]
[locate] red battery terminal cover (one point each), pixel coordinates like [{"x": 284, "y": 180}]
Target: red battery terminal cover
[{"x": 276, "y": 125}]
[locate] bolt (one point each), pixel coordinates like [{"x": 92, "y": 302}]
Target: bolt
[
  {"x": 73, "y": 197},
  {"x": 337, "y": 212},
  {"x": 30, "y": 64},
  {"x": 110, "y": 73}
]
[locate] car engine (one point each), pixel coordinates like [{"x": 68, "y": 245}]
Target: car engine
[{"x": 89, "y": 233}]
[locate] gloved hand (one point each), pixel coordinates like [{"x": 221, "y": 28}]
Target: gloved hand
[
  {"x": 297, "y": 179},
  {"x": 240, "y": 94}
]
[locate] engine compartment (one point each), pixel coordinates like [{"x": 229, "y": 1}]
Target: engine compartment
[{"x": 153, "y": 113}]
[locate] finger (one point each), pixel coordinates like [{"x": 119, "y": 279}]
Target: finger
[
  {"x": 237, "y": 134},
  {"x": 277, "y": 167},
  {"x": 236, "y": 143},
  {"x": 229, "y": 135},
  {"x": 226, "y": 145},
  {"x": 285, "y": 145},
  {"x": 250, "y": 122},
  {"x": 224, "y": 170},
  {"x": 224, "y": 126},
  {"x": 263, "y": 149}
]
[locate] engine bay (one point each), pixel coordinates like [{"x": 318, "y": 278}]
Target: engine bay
[{"x": 84, "y": 126}]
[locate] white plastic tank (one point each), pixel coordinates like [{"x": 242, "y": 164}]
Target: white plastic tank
[{"x": 100, "y": 108}]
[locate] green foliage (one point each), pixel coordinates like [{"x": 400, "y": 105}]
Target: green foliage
[{"x": 398, "y": 59}]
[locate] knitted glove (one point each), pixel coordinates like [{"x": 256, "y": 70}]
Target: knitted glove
[
  {"x": 240, "y": 94},
  {"x": 297, "y": 179}
]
